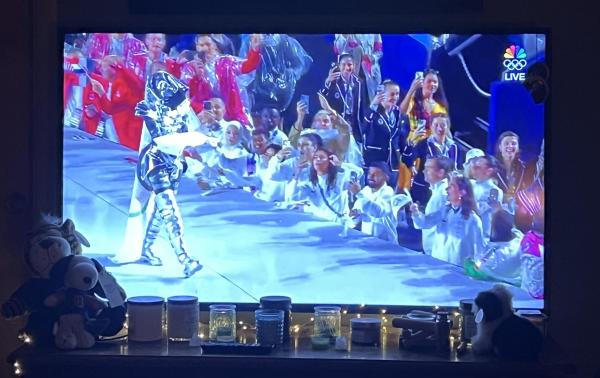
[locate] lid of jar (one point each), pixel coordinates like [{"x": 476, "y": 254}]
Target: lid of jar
[
  {"x": 420, "y": 315},
  {"x": 279, "y": 302},
  {"x": 466, "y": 304},
  {"x": 328, "y": 308},
  {"x": 148, "y": 300},
  {"x": 222, "y": 307},
  {"x": 360, "y": 323},
  {"x": 182, "y": 299}
]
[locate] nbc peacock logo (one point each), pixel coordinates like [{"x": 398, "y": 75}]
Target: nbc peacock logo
[{"x": 514, "y": 60}]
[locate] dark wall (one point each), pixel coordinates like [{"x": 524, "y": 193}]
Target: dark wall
[{"x": 31, "y": 121}]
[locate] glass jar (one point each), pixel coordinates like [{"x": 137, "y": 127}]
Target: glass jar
[
  {"x": 269, "y": 326},
  {"x": 145, "y": 318},
  {"x": 221, "y": 325},
  {"x": 328, "y": 321},
  {"x": 183, "y": 316},
  {"x": 277, "y": 302}
]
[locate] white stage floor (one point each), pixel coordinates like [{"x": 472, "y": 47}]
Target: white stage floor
[{"x": 248, "y": 248}]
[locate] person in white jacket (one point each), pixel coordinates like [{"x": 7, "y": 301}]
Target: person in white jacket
[
  {"x": 287, "y": 168},
  {"x": 436, "y": 171},
  {"x": 458, "y": 231},
  {"x": 488, "y": 195},
  {"x": 326, "y": 190},
  {"x": 373, "y": 206}
]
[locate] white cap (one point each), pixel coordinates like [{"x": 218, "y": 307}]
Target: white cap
[{"x": 473, "y": 153}]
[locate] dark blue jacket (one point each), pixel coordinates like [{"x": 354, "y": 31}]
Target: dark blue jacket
[
  {"x": 336, "y": 95},
  {"x": 385, "y": 140}
]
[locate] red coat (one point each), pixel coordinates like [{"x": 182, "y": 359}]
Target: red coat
[
  {"x": 126, "y": 91},
  {"x": 227, "y": 69},
  {"x": 200, "y": 89},
  {"x": 92, "y": 99},
  {"x": 70, "y": 78},
  {"x": 138, "y": 62}
]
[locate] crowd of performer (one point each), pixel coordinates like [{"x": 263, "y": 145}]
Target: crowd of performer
[{"x": 374, "y": 157}]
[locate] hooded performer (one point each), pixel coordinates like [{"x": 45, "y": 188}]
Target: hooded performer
[{"x": 165, "y": 111}]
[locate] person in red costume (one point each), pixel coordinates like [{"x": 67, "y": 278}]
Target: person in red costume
[
  {"x": 212, "y": 74},
  {"x": 141, "y": 62},
  {"x": 72, "y": 84},
  {"x": 92, "y": 105},
  {"x": 124, "y": 45},
  {"x": 70, "y": 78},
  {"x": 119, "y": 99}
]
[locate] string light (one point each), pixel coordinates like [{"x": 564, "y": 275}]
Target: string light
[
  {"x": 28, "y": 340},
  {"x": 383, "y": 310},
  {"x": 244, "y": 327},
  {"x": 18, "y": 370}
]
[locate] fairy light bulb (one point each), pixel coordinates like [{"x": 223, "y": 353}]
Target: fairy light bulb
[{"x": 18, "y": 369}]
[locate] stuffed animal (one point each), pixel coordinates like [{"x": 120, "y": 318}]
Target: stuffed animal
[
  {"x": 47, "y": 246},
  {"x": 50, "y": 241},
  {"x": 499, "y": 330},
  {"x": 77, "y": 304}
]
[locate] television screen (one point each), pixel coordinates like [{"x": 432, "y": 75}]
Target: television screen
[{"x": 376, "y": 169}]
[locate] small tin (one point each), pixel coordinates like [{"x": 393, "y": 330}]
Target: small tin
[{"x": 366, "y": 331}]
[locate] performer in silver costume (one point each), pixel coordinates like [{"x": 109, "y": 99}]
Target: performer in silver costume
[{"x": 164, "y": 110}]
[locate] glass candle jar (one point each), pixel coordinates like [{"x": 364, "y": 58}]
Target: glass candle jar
[
  {"x": 183, "y": 316},
  {"x": 277, "y": 302},
  {"x": 269, "y": 326},
  {"x": 145, "y": 318},
  {"x": 221, "y": 325},
  {"x": 328, "y": 321}
]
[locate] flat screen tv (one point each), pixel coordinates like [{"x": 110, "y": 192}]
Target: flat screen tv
[{"x": 356, "y": 169}]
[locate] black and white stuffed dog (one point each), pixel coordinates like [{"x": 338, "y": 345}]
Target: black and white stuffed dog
[{"x": 499, "y": 330}]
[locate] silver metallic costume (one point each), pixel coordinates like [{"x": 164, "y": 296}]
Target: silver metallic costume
[{"x": 164, "y": 111}]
